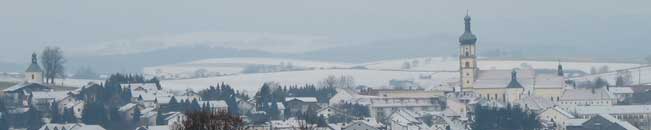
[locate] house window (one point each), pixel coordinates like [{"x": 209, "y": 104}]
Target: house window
[{"x": 33, "y": 77}]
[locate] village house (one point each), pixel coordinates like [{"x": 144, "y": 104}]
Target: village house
[
  {"x": 603, "y": 122},
  {"x": 587, "y": 97},
  {"x": 637, "y": 115},
  {"x": 17, "y": 97},
  {"x": 403, "y": 119},
  {"x": 556, "y": 116},
  {"x": 621, "y": 92},
  {"x": 300, "y": 104},
  {"x": 126, "y": 111},
  {"x": 72, "y": 126},
  {"x": 328, "y": 111},
  {"x": 365, "y": 124}
]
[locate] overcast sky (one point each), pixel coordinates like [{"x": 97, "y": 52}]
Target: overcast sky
[{"x": 29, "y": 25}]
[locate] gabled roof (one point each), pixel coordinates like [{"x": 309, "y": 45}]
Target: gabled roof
[
  {"x": 623, "y": 124},
  {"x": 587, "y": 94},
  {"x": 23, "y": 85},
  {"x": 304, "y": 99},
  {"x": 621, "y": 90},
  {"x": 77, "y": 126},
  {"x": 214, "y": 103},
  {"x": 34, "y": 68}
]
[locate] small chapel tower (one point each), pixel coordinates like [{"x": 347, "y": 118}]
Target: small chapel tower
[
  {"x": 34, "y": 73},
  {"x": 467, "y": 57}
]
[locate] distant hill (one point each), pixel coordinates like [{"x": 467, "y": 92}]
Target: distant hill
[{"x": 135, "y": 62}]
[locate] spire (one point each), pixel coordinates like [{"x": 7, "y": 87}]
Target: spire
[
  {"x": 514, "y": 81},
  {"x": 560, "y": 69},
  {"x": 34, "y": 60},
  {"x": 514, "y": 75},
  {"x": 467, "y": 23},
  {"x": 467, "y": 37}
]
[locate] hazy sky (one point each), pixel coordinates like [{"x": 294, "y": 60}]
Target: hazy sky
[{"x": 29, "y": 25}]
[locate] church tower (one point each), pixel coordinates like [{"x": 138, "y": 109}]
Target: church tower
[
  {"x": 467, "y": 57},
  {"x": 34, "y": 73}
]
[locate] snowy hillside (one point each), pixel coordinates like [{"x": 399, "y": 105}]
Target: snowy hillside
[
  {"x": 452, "y": 64},
  {"x": 267, "y": 42},
  {"x": 252, "y": 82},
  {"x": 228, "y": 66}
]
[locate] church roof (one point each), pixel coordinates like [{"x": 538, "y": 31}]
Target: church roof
[
  {"x": 34, "y": 66},
  {"x": 527, "y": 78},
  {"x": 467, "y": 37},
  {"x": 514, "y": 81}
]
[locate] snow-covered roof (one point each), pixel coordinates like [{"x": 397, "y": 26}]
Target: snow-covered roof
[
  {"x": 367, "y": 121},
  {"x": 575, "y": 122},
  {"x": 621, "y": 90},
  {"x": 280, "y": 105},
  {"x": 526, "y": 77},
  {"x": 561, "y": 111},
  {"x": 586, "y": 94},
  {"x": 148, "y": 112},
  {"x": 22, "y": 85},
  {"x": 56, "y": 95},
  {"x": 616, "y": 109},
  {"x": 34, "y": 68},
  {"x": 214, "y": 103},
  {"x": 77, "y": 126},
  {"x": 403, "y": 116},
  {"x": 626, "y": 125},
  {"x": 173, "y": 115},
  {"x": 304, "y": 99},
  {"x": 146, "y": 86},
  {"x": 158, "y": 127},
  {"x": 536, "y": 103},
  {"x": 548, "y": 81},
  {"x": 127, "y": 107}
]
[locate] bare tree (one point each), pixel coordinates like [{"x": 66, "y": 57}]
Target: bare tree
[
  {"x": 330, "y": 81},
  {"x": 339, "y": 82},
  {"x": 52, "y": 60},
  {"x": 204, "y": 120}
]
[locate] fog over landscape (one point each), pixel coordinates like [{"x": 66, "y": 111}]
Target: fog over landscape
[
  {"x": 336, "y": 30},
  {"x": 325, "y": 65}
]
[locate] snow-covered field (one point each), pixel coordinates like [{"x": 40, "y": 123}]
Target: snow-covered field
[
  {"x": 451, "y": 64},
  {"x": 639, "y": 75},
  {"x": 251, "y": 82},
  {"x": 378, "y": 75},
  {"x": 63, "y": 82},
  {"x": 234, "y": 65}
]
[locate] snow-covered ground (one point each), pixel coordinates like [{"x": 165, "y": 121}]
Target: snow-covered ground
[
  {"x": 378, "y": 75},
  {"x": 452, "y": 64},
  {"x": 638, "y": 75},
  {"x": 64, "y": 82},
  {"x": 252, "y": 82},
  {"x": 227, "y": 66}
]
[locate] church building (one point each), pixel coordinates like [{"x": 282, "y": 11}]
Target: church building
[
  {"x": 503, "y": 85},
  {"x": 34, "y": 73}
]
